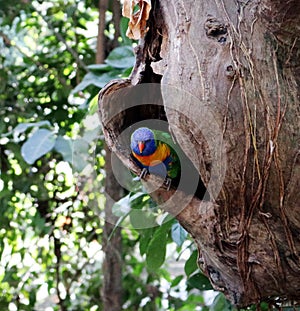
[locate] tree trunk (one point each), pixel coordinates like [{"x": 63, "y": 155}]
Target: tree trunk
[
  {"x": 101, "y": 41},
  {"x": 112, "y": 244},
  {"x": 116, "y": 10},
  {"x": 229, "y": 81},
  {"x": 111, "y": 291}
]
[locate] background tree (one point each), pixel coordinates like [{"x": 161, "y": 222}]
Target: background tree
[
  {"x": 51, "y": 229},
  {"x": 112, "y": 239}
]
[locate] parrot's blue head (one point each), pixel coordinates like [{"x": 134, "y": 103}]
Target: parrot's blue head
[{"x": 143, "y": 141}]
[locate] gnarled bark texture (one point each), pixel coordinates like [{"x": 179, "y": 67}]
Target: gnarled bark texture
[{"x": 229, "y": 78}]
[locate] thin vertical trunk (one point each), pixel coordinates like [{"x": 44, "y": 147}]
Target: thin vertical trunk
[
  {"x": 116, "y": 21},
  {"x": 111, "y": 290},
  {"x": 112, "y": 244},
  {"x": 100, "y": 56}
]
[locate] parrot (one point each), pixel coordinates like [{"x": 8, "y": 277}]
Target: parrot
[{"x": 154, "y": 152}]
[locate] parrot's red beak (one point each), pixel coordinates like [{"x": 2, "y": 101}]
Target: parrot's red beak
[{"x": 141, "y": 146}]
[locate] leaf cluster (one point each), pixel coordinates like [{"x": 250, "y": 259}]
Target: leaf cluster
[{"x": 52, "y": 157}]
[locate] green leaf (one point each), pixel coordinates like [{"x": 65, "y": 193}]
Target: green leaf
[
  {"x": 22, "y": 127},
  {"x": 39, "y": 224},
  {"x": 3, "y": 303},
  {"x": 156, "y": 252},
  {"x": 176, "y": 281},
  {"x": 264, "y": 306},
  {"x": 64, "y": 147},
  {"x": 123, "y": 28},
  {"x": 121, "y": 57},
  {"x": 192, "y": 302},
  {"x": 41, "y": 142},
  {"x": 122, "y": 207},
  {"x": 142, "y": 219},
  {"x": 199, "y": 281},
  {"x": 32, "y": 297},
  {"x": 1, "y": 245},
  {"x": 178, "y": 233},
  {"x": 191, "y": 264},
  {"x": 117, "y": 225},
  {"x": 135, "y": 196},
  {"x": 126, "y": 72},
  {"x": 220, "y": 303},
  {"x": 145, "y": 237},
  {"x": 99, "y": 68},
  {"x": 11, "y": 275},
  {"x": 96, "y": 80},
  {"x": 80, "y": 154},
  {"x": 92, "y": 135},
  {"x": 93, "y": 105}
]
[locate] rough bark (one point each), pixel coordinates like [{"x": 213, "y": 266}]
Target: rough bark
[
  {"x": 101, "y": 41},
  {"x": 116, "y": 10},
  {"x": 234, "y": 66},
  {"x": 111, "y": 291}
]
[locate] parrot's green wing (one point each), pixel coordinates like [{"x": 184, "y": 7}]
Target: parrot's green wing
[
  {"x": 181, "y": 168},
  {"x": 164, "y": 137}
]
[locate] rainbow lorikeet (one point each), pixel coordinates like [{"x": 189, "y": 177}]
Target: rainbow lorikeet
[{"x": 154, "y": 152}]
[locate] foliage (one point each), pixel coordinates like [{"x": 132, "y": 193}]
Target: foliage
[{"x": 52, "y": 174}]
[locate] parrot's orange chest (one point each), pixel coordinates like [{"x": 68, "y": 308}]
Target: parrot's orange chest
[{"x": 159, "y": 155}]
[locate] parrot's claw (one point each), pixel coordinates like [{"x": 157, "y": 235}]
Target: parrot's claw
[
  {"x": 144, "y": 173},
  {"x": 168, "y": 182}
]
